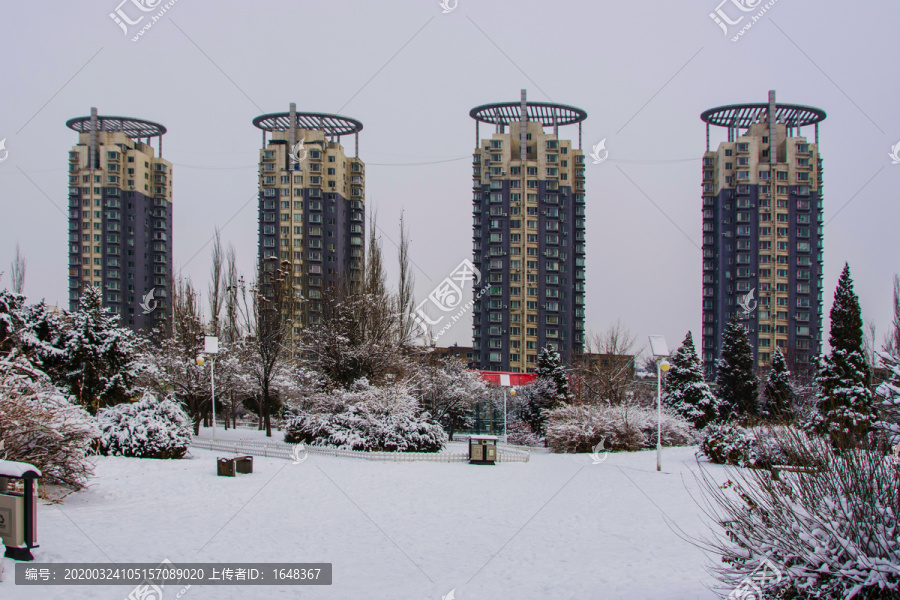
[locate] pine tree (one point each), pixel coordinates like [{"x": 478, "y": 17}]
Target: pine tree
[
  {"x": 99, "y": 362},
  {"x": 685, "y": 391},
  {"x": 846, "y": 411},
  {"x": 550, "y": 368},
  {"x": 737, "y": 384},
  {"x": 549, "y": 390},
  {"x": 779, "y": 392}
]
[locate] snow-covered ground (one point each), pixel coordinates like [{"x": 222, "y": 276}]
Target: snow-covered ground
[{"x": 555, "y": 527}]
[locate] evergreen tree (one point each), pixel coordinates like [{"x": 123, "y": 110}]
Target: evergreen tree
[
  {"x": 99, "y": 363},
  {"x": 846, "y": 411},
  {"x": 779, "y": 392},
  {"x": 549, "y": 390},
  {"x": 685, "y": 391},
  {"x": 550, "y": 368},
  {"x": 737, "y": 384}
]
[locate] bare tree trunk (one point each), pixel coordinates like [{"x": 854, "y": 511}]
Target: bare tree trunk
[
  {"x": 216, "y": 286},
  {"x": 17, "y": 271},
  {"x": 405, "y": 298}
]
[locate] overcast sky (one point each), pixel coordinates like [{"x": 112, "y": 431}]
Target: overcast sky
[{"x": 643, "y": 71}]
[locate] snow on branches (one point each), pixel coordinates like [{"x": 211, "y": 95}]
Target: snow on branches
[{"x": 39, "y": 425}]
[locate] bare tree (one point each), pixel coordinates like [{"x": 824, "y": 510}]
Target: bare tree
[
  {"x": 606, "y": 371},
  {"x": 216, "y": 286},
  {"x": 869, "y": 349},
  {"x": 360, "y": 331},
  {"x": 17, "y": 271},
  {"x": 234, "y": 293},
  {"x": 892, "y": 339},
  {"x": 405, "y": 298},
  {"x": 273, "y": 313},
  {"x": 172, "y": 367}
]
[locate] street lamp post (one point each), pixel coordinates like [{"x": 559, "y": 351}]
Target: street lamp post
[
  {"x": 661, "y": 367},
  {"x": 505, "y": 383},
  {"x": 660, "y": 351},
  {"x": 211, "y": 347}
]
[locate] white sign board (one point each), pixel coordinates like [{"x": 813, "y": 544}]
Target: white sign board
[
  {"x": 658, "y": 346},
  {"x": 211, "y": 344},
  {"x": 504, "y": 379}
]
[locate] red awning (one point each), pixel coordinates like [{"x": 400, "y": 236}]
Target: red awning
[{"x": 507, "y": 379}]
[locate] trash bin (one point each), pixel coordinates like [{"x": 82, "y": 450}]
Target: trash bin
[
  {"x": 243, "y": 464},
  {"x": 18, "y": 511},
  {"x": 225, "y": 467},
  {"x": 483, "y": 449}
]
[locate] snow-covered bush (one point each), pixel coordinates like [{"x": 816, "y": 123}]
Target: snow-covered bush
[
  {"x": 830, "y": 532},
  {"x": 368, "y": 418},
  {"x": 758, "y": 447},
  {"x": 888, "y": 396},
  {"x": 148, "y": 428},
  {"x": 581, "y": 428},
  {"x": 519, "y": 433},
  {"x": 40, "y": 426}
]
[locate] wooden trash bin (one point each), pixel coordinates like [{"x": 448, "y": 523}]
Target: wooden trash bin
[
  {"x": 243, "y": 464},
  {"x": 225, "y": 467}
]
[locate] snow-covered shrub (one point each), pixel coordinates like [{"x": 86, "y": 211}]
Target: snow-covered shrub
[
  {"x": 581, "y": 428},
  {"x": 729, "y": 445},
  {"x": 758, "y": 447},
  {"x": 888, "y": 396},
  {"x": 40, "y": 426},
  {"x": 148, "y": 428},
  {"x": 367, "y": 418},
  {"x": 830, "y": 532},
  {"x": 519, "y": 433}
]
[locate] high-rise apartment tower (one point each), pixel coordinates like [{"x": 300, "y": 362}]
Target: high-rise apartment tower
[
  {"x": 120, "y": 218},
  {"x": 529, "y": 212},
  {"x": 311, "y": 204},
  {"x": 762, "y": 231}
]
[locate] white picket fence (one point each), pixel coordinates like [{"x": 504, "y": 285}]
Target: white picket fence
[
  {"x": 288, "y": 451},
  {"x": 465, "y": 439}
]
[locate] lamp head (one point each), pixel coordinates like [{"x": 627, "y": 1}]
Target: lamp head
[
  {"x": 664, "y": 366},
  {"x": 201, "y": 360},
  {"x": 512, "y": 392}
]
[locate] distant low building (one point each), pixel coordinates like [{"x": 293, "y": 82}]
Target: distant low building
[{"x": 465, "y": 353}]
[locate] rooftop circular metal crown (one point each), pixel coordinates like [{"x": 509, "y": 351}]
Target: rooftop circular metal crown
[
  {"x": 744, "y": 115},
  {"x": 329, "y": 124},
  {"x": 133, "y": 128},
  {"x": 548, "y": 113}
]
